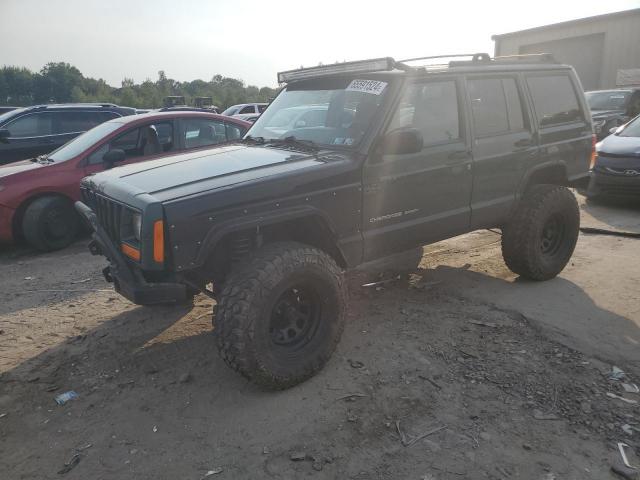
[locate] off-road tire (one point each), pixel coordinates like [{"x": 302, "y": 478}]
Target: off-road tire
[
  {"x": 243, "y": 323},
  {"x": 50, "y": 223},
  {"x": 525, "y": 238}
]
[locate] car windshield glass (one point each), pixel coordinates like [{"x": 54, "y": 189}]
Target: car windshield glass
[
  {"x": 616, "y": 100},
  {"x": 632, "y": 129},
  {"x": 82, "y": 142},
  {"x": 335, "y": 112}
]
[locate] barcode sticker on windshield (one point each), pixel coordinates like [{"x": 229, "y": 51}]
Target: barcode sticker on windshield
[{"x": 367, "y": 86}]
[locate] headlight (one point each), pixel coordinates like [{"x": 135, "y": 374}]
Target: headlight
[{"x": 136, "y": 223}]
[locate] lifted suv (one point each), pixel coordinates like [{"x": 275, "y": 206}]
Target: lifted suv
[{"x": 386, "y": 157}]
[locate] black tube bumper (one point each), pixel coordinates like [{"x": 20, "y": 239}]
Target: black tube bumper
[{"x": 127, "y": 279}]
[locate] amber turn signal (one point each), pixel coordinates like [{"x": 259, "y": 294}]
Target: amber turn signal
[
  {"x": 130, "y": 252},
  {"x": 594, "y": 154},
  {"x": 158, "y": 241}
]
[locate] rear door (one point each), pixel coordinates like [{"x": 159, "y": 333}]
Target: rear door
[
  {"x": 68, "y": 125},
  {"x": 563, "y": 121},
  {"x": 502, "y": 147},
  {"x": 414, "y": 199}
]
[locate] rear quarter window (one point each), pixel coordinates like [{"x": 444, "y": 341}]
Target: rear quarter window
[{"x": 554, "y": 99}]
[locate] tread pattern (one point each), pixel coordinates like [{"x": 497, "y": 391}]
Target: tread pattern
[
  {"x": 242, "y": 301},
  {"x": 519, "y": 246}
]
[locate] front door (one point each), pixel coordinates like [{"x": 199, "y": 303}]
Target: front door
[{"x": 414, "y": 199}]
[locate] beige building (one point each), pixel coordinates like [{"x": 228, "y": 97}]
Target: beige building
[{"x": 604, "y": 50}]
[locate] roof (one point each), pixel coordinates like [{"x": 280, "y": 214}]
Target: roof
[
  {"x": 569, "y": 23},
  {"x": 176, "y": 114}
]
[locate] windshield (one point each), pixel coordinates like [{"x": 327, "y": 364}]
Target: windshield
[
  {"x": 632, "y": 129},
  {"x": 323, "y": 111},
  {"x": 231, "y": 111},
  {"x": 82, "y": 142},
  {"x": 614, "y": 100}
]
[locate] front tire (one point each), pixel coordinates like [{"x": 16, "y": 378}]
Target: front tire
[
  {"x": 50, "y": 223},
  {"x": 539, "y": 240},
  {"x": 280, "y": 314}
]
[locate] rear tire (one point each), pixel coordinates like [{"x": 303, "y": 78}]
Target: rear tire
[
  {"x": 280, "y": 314},
  {"x": 539, "y": 240},
  {"x": 50, "y": 223}
]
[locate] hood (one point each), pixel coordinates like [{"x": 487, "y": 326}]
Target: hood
[
  {"x": 620, "y": 146},
  {"x": 19, "y": 167},
  {"x": 194, "y": 172}
]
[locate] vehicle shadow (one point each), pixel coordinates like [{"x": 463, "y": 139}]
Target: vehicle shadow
[
  {"x": 618, "y": 213},
  {"x": 560, "y": 306}
]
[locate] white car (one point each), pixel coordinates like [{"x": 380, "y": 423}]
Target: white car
[{"x": 244, "y": 111}]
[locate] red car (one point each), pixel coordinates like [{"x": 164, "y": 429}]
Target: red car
[{"x": 37, "y": 195}]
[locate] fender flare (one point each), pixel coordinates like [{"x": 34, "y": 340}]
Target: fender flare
[{"x": 219, "y": 231}]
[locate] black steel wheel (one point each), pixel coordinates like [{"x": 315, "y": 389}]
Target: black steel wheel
[
  {"x": 50, "y": 223},
  {"x": 539, "y": 240},
  {"x": 280, "y": 314}
]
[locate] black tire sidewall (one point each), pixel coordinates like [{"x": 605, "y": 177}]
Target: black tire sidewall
[
  {"x": 285, "y": 362},
  {"x": 34, "y": 223},
  {"x": 551, "y": 265}
]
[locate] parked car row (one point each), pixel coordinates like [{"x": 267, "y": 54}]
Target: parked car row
[
  {"x": 612, "y": 108},
  {"x": 37, "y": 195}
]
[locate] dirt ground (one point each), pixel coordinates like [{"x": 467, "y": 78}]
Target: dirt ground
[{"x": 453, "y": 370}]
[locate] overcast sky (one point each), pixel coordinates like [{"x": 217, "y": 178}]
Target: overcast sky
[{"x": 252, "y": 40}]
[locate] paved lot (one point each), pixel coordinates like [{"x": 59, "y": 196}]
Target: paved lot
[{"x": 507, "y": 377}]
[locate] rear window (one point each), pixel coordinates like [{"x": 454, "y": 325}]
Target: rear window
[{"x": 554, "y": 99}]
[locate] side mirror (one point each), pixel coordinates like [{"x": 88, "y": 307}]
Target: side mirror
[
  {"x": 402, "y": 142},
  {"x": 112, "y": 157},
  {"x": 4, "y": 135}
]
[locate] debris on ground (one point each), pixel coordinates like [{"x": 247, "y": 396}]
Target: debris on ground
[
  {"x": 70, "y": 465},
  {"x": 616, "y": 373},
  {"x": 618, "y": 397},
  {"x": 356, "y": 363},
  {"x": 540, "y": 415},
  {"x": 297, "y": 456},
  {"x": 484, "y": 324},
  {"x": 630, "y": 388},
  {"x": 215, "y": 471},
  {"x": 65, "y": 397}
]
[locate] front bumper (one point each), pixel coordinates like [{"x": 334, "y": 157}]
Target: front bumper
[
  {"x": 128, "y": 279},
  {"x": 603, "y": 184}
]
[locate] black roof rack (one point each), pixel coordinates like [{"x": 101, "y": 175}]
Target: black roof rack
[{"x": 388, "y": 63}]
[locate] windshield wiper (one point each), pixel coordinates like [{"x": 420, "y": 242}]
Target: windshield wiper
[
  {"x": 293, "y": 141},
  {"x": 41, "y": 159},
  {"x": 251, "y": 139}
]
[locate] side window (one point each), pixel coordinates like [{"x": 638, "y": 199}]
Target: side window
[
  {"x": 200, "y": 132},
  {"x": 495, "y": 106},
  {"x": 488, "y": 106},
  {"x": 31, "y": 125},
  {"x": 248, "y": 109},
  {"x": 74, "y": 122},
  {"x": 432, "y": 108},
  {"x": 142, "y": 141},
  {"x": 554, "y": 99},
  {"x": 262, "y": 108},
  {"x": 234, "y": 132}
]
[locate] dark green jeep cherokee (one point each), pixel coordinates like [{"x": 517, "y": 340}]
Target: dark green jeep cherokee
[{"x": 350, "y": 163}]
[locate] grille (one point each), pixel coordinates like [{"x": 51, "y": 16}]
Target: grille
[{"x": 108, "y": 212}]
